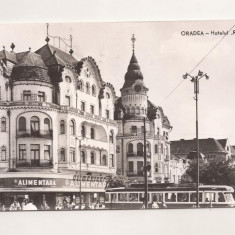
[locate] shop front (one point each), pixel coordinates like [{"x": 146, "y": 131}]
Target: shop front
[{"x": 52, "y": 193}]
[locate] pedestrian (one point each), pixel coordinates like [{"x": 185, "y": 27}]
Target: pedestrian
[
  {"x": 15, "y": 206},
  {"x": 155, "y": 205},
  {"x": 30, "y": 206}
]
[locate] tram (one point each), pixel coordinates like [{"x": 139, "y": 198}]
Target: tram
[{"x": 169, "y": 196}]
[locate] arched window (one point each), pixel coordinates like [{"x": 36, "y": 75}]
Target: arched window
[
  {"x": 92, "y": 158},
  {"x": 162, "y": 150},
  {"x": 156, "y": 148},
  {"x": 62, "y": 155},
  {"x": 93, "y": 90},
  {"x": 107, "y": 95},
  {"x": 62, "y": 127},
  {"x": 130, "y": 148},
  {"x": 83, "y": 131},
  {"x": 140, "y": 149},
  {"x": 104, "y": 160},
  {"x": 92, "y": 133},
  {"x": 34, "y": 123},
  {"x": 22, "y": 124},
  {"x": 3, "y": 153},
  {"x": 46, "y": 125},
  {"x": 87, "y": 88},
  {"x": 72, "y": 127},
  {"x": 147, "y": 148},
  {"x": 80, "y": 85},
  {"x": 156, "y": 167},
  {"x": 3, "y": 124},
  {"x": 111, "y": 137},
  {"x": 83, "y": 156},
  {"x": 68, "y": 79}
]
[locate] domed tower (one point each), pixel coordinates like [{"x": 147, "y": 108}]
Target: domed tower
[{"x": 134, "y": 92}]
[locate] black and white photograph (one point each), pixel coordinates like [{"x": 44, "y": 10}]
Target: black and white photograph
[{"x": 105, "y": 116}]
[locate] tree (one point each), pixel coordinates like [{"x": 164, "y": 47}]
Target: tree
[
  {"x": 217, "y": 171},
  {"x": 116, "y": 182}
]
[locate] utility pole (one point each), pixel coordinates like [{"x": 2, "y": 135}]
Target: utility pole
[
  {"x": 145, "y": 170},
  {"x": 195, "y": 80}
]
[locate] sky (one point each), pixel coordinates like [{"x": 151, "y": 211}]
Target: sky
[{"x": 164, "y": 55}]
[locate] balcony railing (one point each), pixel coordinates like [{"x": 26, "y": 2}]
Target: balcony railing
[
  {"x": 138, "y": 154},
  {"x": 27, "y": 163},
  {"x": 34, "y": 133},
  {"x": 55, "y": 106}
]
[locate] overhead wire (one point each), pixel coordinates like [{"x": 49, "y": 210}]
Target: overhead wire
[{"x": 198, "y": 63}]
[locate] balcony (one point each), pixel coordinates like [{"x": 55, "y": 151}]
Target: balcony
[
  {"x": 56, "y": 106},
  {"x": 35, "y": 134},
  {"x": 138, "y": 154},
  {"x": 31, "y": 163}
]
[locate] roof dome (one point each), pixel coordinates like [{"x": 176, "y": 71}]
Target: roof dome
[
  {"x": 30, "y": 67},
  {"x": 133, "y": 72}
]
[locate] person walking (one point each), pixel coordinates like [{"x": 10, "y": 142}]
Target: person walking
[{"x": 30, "y": 206}]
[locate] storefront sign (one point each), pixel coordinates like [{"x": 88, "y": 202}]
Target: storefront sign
[{"x": 50, "y": 183}]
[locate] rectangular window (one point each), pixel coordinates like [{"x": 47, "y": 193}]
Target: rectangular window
[
  {"x": 122, "y": 197},
  {"x": 131, "y": 166},
  {"x": 47, "y": 152},
  {"x": 67, "y": 100},
  {"x": 26, "y": 95},
  {"x": 134, "y": 129},
  {"x": 111, "y": 160},
  {"x": 158, "y": 131},
  {"x": 107, "y": 114},
  {"x": 35, "y": 154},
  {"x": 72, "y": 155},
  {"x": 22, "y": 152},
  {"x": 142, "y": 130},
  {"x": 83, "y": 107},
  {"x": 41, "y": 96},
  {"x": 3, "y": 124},
  {"x": 140, "y": 167},
  {"x": 92, "y": 109}
]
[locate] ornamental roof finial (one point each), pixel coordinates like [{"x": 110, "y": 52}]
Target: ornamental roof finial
[{"x": 133, "y": 43}]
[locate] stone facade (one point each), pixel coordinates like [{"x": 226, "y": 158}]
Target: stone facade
[
  {"x": 47, "y": 100},
  {"x": 131, "y": 109}
]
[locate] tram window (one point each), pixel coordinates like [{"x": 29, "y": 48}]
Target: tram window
[
  {"x": 141, "y": 197},
  {"x": 209, "y": 197},
  {"x": 113, "y": 197},
  {"x": 183, "y": 197},
  {"x": 228, "y": 197},
  {"x": 107, "y": 197},
  {"x": 221, "y": 197},
  {"x": 157, "y": 197},
  {"x": 193, "y": 197},
  {"x": 122, "y": 197},
  {"x": 170, "y": 197},
  {"x": 133, "y": 197}
]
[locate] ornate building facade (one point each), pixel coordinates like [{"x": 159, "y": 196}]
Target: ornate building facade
[
  {"x": 130, "y": 111},
  {"x": 55, "y": 111}
]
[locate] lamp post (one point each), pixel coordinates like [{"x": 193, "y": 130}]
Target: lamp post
[
  {"x": 195, "y": 80},
  {"x": 79, "y": 138}
]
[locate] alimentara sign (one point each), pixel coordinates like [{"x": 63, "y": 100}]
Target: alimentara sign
[{"x": 49, "y": 183}]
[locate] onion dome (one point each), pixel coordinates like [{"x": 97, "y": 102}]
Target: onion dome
[
  {"x": 30, "y": 67},
  {"x": 133, "y": 72}
]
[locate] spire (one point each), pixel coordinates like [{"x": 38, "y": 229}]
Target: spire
[
  {"x": 47, "y": 38},
  {"x": 133, "y": 71},
  {"x": 133, "y": 43}
]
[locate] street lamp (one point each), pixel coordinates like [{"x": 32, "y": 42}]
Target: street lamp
[
  {"x": 195, "y": 80},
  {"x": 80, "y": 138}
]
